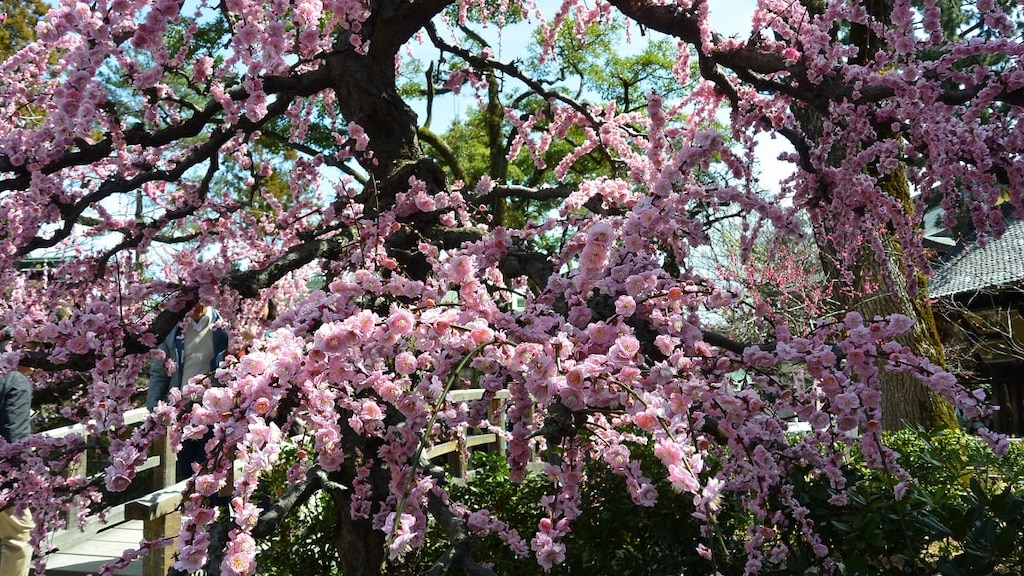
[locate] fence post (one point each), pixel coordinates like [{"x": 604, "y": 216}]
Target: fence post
[
  {"x": 494, "y": 410},
  {"x": 160, "y": 560},
  {"x": 164, "y": 474}
]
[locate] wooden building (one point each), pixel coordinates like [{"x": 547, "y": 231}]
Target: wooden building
[{"x": 978, "y": 292}]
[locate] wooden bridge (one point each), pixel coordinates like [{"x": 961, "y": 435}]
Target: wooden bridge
[{"x": 157, "y": 514}]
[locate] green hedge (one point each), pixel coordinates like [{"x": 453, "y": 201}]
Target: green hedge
[{"x": 960, "y": 512}]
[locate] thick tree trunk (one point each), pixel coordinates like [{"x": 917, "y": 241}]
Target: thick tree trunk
[
  {"x": 359, "y": 545},
  {"x": 906, "y": 400},
  {"x": 367, "y": 94}
]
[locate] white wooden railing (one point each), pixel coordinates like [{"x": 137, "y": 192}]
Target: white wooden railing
[
  {"x": 159, "y": 510},
  {"x": 67, "y": 537}
]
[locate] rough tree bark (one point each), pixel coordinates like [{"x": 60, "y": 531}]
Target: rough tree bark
[
  {"x": 367, "y": 94},
  {"x": 879, "y": 287}
]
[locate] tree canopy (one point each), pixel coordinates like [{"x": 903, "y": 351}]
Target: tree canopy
[{"x": 159, "y": 152}]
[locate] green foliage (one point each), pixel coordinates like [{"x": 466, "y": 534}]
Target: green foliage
[
  {"x": 615, "y": 536},
  {"x": 207, "y": 39},
  {"x": 516, "y": 504},
  {"x": 20, "y": 26},
  {"x": 958, "y": 513},
  {"x": 612, "y": 536},
  {"x": 600, "y": 63},
  {"x": 304, "y": 543}
]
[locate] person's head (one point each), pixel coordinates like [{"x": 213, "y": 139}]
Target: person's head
[
  {"x": 198, "y": 311},
  {"x": 8, "y": 343},
  {"x": 23, "y": 366}
]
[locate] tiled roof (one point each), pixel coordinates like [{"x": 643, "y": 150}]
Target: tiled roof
[{"x": 999, "y": 262}]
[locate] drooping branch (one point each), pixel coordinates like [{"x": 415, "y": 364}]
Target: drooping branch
[
  {"x": 247, "y": 283},
  {"x": 117, "y": 184},
  {"x": 85, "y": 154},
  {"x": 135, "y": 240},
  {"x": 293, "y": 498},
  {"x": 460, "y": 552},
  {"x": 132, "y": 343},
  {"x": 491, "y": 64}
]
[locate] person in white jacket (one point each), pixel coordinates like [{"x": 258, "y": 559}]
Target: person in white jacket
[{"x": 196, "y": 346}]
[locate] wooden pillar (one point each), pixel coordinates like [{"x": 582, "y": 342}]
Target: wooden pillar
[
  {"x": 458, "y": 464},
  {"x": 160, "y": 560},
  {"x": 164, "y": 474},
  {"x": 496, "y": 416}
]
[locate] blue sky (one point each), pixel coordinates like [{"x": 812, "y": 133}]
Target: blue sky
[{"x": 729, "y": 17}]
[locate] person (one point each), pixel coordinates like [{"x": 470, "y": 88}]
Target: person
[
  {"x": 196, "y": 346},
  {"x": 258, "y": 329},
  {"x": 15, "y": 424}
]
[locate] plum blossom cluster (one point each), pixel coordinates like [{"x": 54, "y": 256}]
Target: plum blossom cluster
[
  {"x": 601, "y": 344},
  {"x": 581, "y": 384}
]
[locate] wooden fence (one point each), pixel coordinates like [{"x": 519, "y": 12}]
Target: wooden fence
[
  {"x": 159, "y": 509},
  {"x": 68, "y": 537}
]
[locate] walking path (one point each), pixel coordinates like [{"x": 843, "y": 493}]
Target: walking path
[{"x": 87, "y": 557}]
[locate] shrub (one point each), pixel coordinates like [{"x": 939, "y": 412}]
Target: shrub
[
  {"x": 958, "y": 512},
  {"x": 612, "y": 536}
]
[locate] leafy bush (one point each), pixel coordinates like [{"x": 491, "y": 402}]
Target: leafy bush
[
  {"x": 958, "y": 513},
  {"x": 304, "y": 543},
  {"x": 612, "y": 536}
]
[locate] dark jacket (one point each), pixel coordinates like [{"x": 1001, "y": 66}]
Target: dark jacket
[
  {"x": 15, "y": 406},
  {"x": 174, "y": 347}
]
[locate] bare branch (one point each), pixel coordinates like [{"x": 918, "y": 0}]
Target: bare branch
[
  {"x": 455, "y": 528},
  {"x": 445, "y": 151},
  {"x": 296, "y": 495}
]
